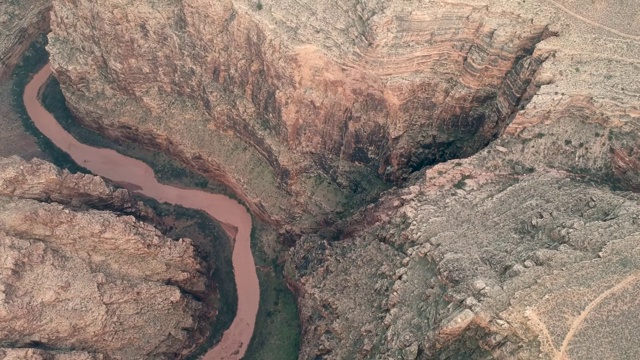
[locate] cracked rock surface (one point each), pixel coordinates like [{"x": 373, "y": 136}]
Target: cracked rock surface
[
  {"x": 20, "y": 22},
  {"x": 491, "y": 270},
  {"x": 90, "y": 284}
]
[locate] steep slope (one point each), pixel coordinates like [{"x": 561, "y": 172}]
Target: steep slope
[
  {"x": 493, "y": 267},
  {"x": 528, "y": 249},
  {"x": 301, "y": 108},
  {"x": 20, "y": 22},
  {"x": 83, "y": 283}
]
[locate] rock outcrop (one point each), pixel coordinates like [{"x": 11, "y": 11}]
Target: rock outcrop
[
  {"x": 37, "y": 354},
  {"x": 80, "y": 283},
  {"x": 301, "y": 108},
  {"x": 20, "y": 22},
  {"x": 40, "y": 180},
  {"x": 499, "y": 264},
  {"x": 528, "y": 249}
]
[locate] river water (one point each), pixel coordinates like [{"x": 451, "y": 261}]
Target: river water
[{"x": 122, "y": 169}]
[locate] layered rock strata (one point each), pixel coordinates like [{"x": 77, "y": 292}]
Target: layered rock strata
[
  {"x": 299, "y": 107},
  {"x": 79, "y": 283},
  {"x": 528, "y": 249},
  {"x": 20, "y": 22}
]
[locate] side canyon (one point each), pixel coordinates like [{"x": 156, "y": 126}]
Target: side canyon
[{"x": 319, "y": 111}]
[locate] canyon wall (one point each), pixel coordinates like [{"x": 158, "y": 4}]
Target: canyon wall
[
  {"x": 81, "y": 283},
  {"x": 20, "y": 22},
  {"x": 527, "y": 249},
  {"x": 302, "y": 108}
]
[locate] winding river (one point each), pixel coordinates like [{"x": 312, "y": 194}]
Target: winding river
[{"x": 122, "y": 169}]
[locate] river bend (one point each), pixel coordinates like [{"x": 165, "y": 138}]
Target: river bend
[{"x": 122, "y": 169}]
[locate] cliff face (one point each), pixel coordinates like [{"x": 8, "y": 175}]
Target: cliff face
[
  {"x": 297, "y": 106},
  {"x": 20, "y": 22},
  {"x": 90, "y": 284},
  {"x": 527, "y": 249}
]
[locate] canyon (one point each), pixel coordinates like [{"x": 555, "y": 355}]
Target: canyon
[
  {"x": 527, "y": 249},
  {"x": 320, "y": 112},
  {"x": 140, "y": 177},
  {"x": 453, "y": 179}
]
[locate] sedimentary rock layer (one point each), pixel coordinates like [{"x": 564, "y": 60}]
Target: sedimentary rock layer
[
  {"x": 296, "y": 106},
  {"x": 88, "y": 284},
  {"x": 527, "y": 249},
  {"x": 20, "y": 22}
]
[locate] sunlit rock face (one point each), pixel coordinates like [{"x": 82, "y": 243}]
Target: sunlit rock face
[
  {"x": 302, "y": 108},
  {"x": 527, "y": 249},
  {"x": 80, "y": 283}
]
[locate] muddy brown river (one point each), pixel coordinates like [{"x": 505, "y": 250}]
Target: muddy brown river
[{"x": 138, "y": 175}]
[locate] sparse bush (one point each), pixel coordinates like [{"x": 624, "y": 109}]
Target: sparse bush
[
  {"x": 203, "y": 183},
  {"x": 462, "y": 182}
]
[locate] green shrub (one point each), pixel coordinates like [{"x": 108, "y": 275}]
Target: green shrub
[
  {"x": 462, "y": 182},
  {"x": 33, "y": 59}
]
